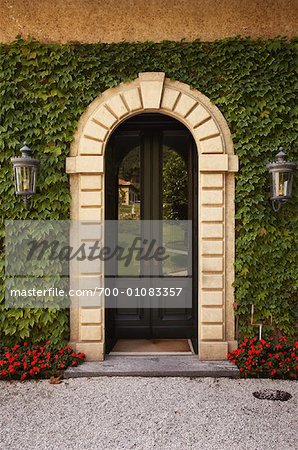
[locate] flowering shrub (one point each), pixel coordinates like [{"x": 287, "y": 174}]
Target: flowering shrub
[
  {"x": 266, "y": 358},
  {"x": 26, "y": 361}
]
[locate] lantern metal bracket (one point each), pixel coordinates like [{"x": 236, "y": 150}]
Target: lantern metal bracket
[{"x": 276, "y": 205}]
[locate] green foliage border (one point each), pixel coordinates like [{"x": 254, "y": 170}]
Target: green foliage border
[{"x": 45, "y": 88}]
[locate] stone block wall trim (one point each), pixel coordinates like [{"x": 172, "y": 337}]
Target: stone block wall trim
[
  {"x": 84, "y": 164},
  {"x": 152, "y": 92},
  {"x": 90, "y": 316},
  {"x": 212, "y": 332},
  {"x": 90, "y": 332},
  {"x": 218, "y": 350},
  {"x": 91, "y": 182}
]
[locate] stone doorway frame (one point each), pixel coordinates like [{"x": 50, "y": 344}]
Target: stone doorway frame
[{"x": 153, "y": 92}]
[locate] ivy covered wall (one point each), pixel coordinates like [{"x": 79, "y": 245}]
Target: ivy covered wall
[{"x": 44, "y": 89}]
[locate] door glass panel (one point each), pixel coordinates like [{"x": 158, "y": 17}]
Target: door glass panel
[
  {"x": 129, "y": 207},
  {"x": 129, "y": 179},
  {"x": 175, "y": 201}
]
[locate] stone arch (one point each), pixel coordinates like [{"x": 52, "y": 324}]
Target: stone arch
[{"x": 152, "y": 92}]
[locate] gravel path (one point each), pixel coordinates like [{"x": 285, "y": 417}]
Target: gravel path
[{"x": 146, "y": 413}]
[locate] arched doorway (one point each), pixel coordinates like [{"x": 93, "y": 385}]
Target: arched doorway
[
  {"x": 153, "y": 93},
  {"x": 151, "y": 181}
]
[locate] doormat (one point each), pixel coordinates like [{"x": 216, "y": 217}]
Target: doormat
[{"x": 152, "y": 346}]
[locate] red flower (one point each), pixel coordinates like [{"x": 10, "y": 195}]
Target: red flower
[{"x": 29, "y": 360}]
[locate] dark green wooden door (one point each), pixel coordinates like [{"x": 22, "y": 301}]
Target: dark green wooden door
[{"x": 151, "y": 176}]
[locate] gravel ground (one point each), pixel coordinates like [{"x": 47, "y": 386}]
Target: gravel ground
[{"x": 146, "y": 413}]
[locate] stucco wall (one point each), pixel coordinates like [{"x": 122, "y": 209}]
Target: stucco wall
[{"x": 141, "y": 20}]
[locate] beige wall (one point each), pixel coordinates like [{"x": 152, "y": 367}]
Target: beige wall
[{"x": 141, "y": 20}]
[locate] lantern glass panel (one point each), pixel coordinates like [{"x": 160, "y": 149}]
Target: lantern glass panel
[
  {"x": 25, "y": 178},
  {"x": 282, "y": 184}
]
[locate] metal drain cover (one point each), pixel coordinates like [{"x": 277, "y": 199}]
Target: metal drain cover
[{"x": 272, "y": 394}]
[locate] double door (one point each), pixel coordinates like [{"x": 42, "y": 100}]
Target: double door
[{"x": 150, "y": 185}]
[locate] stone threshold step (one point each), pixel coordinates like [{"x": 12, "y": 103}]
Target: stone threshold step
[{"x": 153, "y": 366}]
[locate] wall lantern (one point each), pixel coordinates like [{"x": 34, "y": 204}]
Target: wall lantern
[
  {"x": 282, "y": 172},
  {"x": 24, "y": 171}
]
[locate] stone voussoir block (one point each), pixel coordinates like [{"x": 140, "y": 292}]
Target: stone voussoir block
[
  {"x": 212, "y": 145},
  {"x": 104, "y": 116},
  {"x": 117, "y": 106},
  {"x": 198, "y": 115},
  {"x": 206, "y": 129},
  {"x": 184, "y": 105},
  {"x": 95, "y": 131},
  {"x": 169, "y": 98},
  {"x": 132, "y": 99},
  {"x": 90, "y": 147}
]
